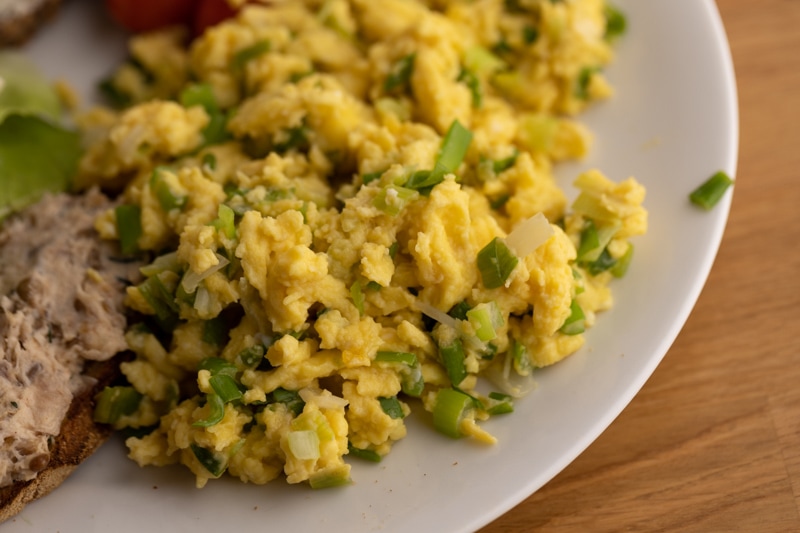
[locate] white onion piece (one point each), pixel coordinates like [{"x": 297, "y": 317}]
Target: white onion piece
[
  {"x": 202, "y": 301},
  {"x": 439, "y": 316},
  {"x": 192, "y": 279},
  {"x": 510, "y": 382},
  {"x": 323, "y": 399},
  {"x": 529, "y": 234}
]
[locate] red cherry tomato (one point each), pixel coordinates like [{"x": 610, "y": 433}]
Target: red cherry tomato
[
  {"x": 210, "y": 12},
  {"x": 145, "y": 15}
]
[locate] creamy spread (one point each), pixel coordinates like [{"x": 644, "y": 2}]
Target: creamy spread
[{"x": 60, "y": 304}]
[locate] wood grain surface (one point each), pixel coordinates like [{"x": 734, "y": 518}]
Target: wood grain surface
[{"x": 712, "y": 441}]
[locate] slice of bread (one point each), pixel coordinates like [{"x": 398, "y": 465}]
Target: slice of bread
[
  {"x": 62, "y": 320},
  {"x": 79, "y": 438},
  {"x": 19, "y": 19}
]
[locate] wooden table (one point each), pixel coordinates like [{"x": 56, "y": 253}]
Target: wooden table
[{"x": 712, "y": 441}]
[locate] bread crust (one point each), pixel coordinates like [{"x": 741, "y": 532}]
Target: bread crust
[
  {"x": 16, "y": 29},
  {"x": 79, "y": 438}
]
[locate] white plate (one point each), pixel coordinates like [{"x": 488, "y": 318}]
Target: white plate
[{"x": 672, "y": 124}]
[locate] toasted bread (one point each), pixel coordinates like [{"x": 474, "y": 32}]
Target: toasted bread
[
  {"x": 19, "y": 19},
  {"x": 61, "y": 323},
  {"x": 79, "y": 438}
]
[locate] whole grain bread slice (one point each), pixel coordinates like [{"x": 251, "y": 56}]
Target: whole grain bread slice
[
  {"x": 19, "y": 19},
  {"x": 61, "y": 323},
  {"x": 80, "y": 437}
]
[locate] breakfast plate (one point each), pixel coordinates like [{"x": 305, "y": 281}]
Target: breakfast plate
[{"x": 672, "y": 123}]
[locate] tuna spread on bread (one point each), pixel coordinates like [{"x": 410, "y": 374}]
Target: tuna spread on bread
[{"x": 61, "y": 304}]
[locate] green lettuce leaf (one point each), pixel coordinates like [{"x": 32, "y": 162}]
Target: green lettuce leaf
[
  {"x": 37, "y": 154},
  {"x": 35, "y": 157},
  {"x": 23, "y": 90}
]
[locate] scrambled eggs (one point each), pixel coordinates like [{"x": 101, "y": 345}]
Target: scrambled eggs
[{"x": 350, "y": 212}]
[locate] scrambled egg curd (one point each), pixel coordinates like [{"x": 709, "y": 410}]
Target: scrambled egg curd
[{"x": 349, "y": 212}]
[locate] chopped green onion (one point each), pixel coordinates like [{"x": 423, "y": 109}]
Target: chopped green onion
[
  {"x": 498, "y": 202},
  {"x": 162, "y": 263},
  {"x": 514, "y": 6},
  {"x": 476, "y": 402},
  {"x": 530, "y": 34},
  {"x": 209, "y": 161},
  {"x": 357, "y": 295},
  {"x": 520, "y": 359},
  {"x": 485, "y": 170},
  {"x": 225, "y": 387},
  {"x": 495, "y": 263},
  {"x": 297, "y": 76},
  {"x": 583, "y": 81},
  {"x": 454, "y": 147},
  {"x": 489, "y": 169},
  {"x": 396, "y": 357},
  {"x": 449, "y": 410},
  {"x": 115, "y": 402},
  {"x": 218, "y": 366},
  {"x": 199, "y": 94},
  {"x": 500, "y": 396},
  {"x": 485, "y": 318},
  {"x": 489, "y": 351},
  {"x": 392, "y": 199},
  {"x": 215, "y": 331},
  {"x": 243, "y": 56},
  {"x": 327, "y": 479},
  {"x": 362, "y": 453},
  {"x": 303, "y": 444},
  {"x": 216, "y": 412},
  {"x": 129, "y": 227},
  {"x": 216, "y": 131},
  {"x": 474, "y": 85},
  {"x": 252, "y": 356},
  {"x": 459, "y": 311},
  {"x": 166, "y": 198},
  {"x": 499, "y": 404},
  {"x": 210, "y": 460},
  {"x": 710, "y": 192},
  {"x": 161, "y": 300},
  {"x": 423, "y": 179},
  {"x": 291, "y": 399},
  {"x": 538, "y": 131},
  {"x": 453, "y": 359},
  {"x": 393, "y": 106},
  {"x": 371, "y": 176},
  {"x": 391, "y": 406},
  {"x": 616, "y": 23},
  {"x": 594, "y": 240},
  {"x": 296, "y": 139},
  {"x": 575, "y": 322},
  {"x": 116, "y": 97},
  {"x": 620, "y": 268},
  {"x": 400, "y": 75},
  {"x": 501, "y": 165},
  {"x": 602, "y": 263},
  {"x": 502, "y": 47},
  {"x": 479, "y": 60},
  {"x": 275, "y": 194},
  {"x": 413, "y": 382},
  {"x": 225, "y": 221}
]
